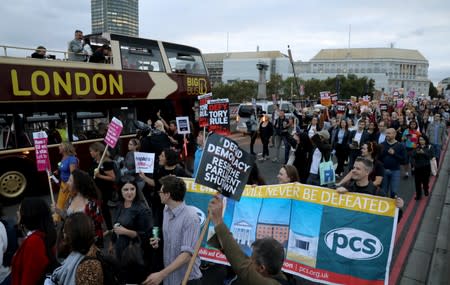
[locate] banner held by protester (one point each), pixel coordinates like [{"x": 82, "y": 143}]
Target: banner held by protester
[{"x": 329, "y": 237}]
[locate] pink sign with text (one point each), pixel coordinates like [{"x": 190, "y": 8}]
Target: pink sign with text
[
  {"x": 40, "y": 146},
  {"x": 114, "y": 130}
]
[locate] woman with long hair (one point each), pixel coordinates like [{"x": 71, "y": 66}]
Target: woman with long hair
[
  {"x": 35, "y": 256},
  {"x": 79, "y": 235},
  {"x": 421, "y": 157},
  {"x": 265, "y": 133},
  {"x": 340, "y": 142},
  {"x": 133, "y": 222},
  {"x": 86, "y": 198},
  {"x": 66, "y": 166},
  {"x": 410, "y": 137},
  {"x": 287, "y": 174}
]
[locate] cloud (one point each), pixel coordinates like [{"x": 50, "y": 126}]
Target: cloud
[{"x": 307, "y": 26}]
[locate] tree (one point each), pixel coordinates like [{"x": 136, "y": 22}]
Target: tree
[{"x": 432, "y": 92}]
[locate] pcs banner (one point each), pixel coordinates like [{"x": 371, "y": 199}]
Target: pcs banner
[{"x": 329, "y": 238}]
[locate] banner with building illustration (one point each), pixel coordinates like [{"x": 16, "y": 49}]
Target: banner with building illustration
[{"x": 329, "y": 238}]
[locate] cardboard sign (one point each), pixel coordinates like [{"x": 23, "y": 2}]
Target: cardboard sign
[
  {"x": 325, "y": 98},
  {"x": 41, "y": 150},
  {"x": 224, "y": 166},
  {"x": 114, "y": 130},
  {"x": 144, "y": 162},
  {"x": 183, "y": 127},
  {"x": 219, "y": 116},
  {"x": 203, "y": 119}
]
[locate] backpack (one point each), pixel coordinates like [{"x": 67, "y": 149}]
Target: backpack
[
  {"x": 11, "y": 233},
  {"x": 110, "y": 267}
]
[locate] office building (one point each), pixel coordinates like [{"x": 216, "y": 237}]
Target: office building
[
  {"x": 391, "y": 68},
  {"x": 115, "y": 16},
  {"x": 241, "y": 66}
]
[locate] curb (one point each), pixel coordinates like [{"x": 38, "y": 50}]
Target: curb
[{"x": 439, "y": 270}]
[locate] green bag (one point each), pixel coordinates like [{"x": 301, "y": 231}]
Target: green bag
[{"x": 326, "y": 172}]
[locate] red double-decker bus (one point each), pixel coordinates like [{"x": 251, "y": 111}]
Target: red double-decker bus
[{"x": 141, "y": 77}]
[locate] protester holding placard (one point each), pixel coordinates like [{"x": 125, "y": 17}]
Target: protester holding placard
[
  {"x": 66, "y": 166},
  {"x": 263, "y": 267},
  {"x": 104, "y": 177}
]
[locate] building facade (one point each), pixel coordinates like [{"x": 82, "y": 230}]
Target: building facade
[
  {"x": 115, "y": 16},
  {"x": 391, "y": 68},
  {"x": 241, "y": 66}
]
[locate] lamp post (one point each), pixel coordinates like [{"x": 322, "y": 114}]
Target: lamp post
[{"x": 262, "y": 92}]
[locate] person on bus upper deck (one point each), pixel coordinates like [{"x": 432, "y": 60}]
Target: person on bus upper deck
[
  {"x": 100, "y": 54},
  {"x": 39, "y": 53},
  {"x": 76, "y": 47}
]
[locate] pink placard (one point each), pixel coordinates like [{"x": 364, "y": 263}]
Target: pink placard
[
  {"x": 41, "y": 150},
  {"x": 114, "y": 130}
]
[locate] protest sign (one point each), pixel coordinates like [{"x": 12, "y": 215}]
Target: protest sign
[
  {"x": 383, "y": 106},
  {"x": 224, "y": 166},
  {"x": 114, "y": 129},
  {"x": 183, "y": 127},
  {"x": 42, "y": 158},
  {"x": 219, "y": 116},
  {"x": 41, "y": 150},
  {"x": 334, "y": 98},
  {"x": 341, "y": 106},
  {"x": 203, "y": 119},
  {"x": 325, "y": 98},
  {"x": 328, "y": 237},
  {"x": 144, "y": 162}
]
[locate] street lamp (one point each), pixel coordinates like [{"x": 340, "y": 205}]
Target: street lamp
[{"x": 262, "y": 93}]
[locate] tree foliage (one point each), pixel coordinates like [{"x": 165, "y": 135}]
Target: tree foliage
[
  {"x": 242, "y": 91},
  {"x": 432, "y": 92}
]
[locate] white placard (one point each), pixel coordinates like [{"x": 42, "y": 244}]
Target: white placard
[
  {"x": 183, "y": 125},
  {"x": 144, "y": 162}
]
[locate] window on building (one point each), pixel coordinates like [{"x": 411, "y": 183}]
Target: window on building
[{"x": 302, "y": 244}]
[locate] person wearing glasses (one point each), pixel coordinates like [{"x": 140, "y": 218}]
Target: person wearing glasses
[{"x": 181, "y": 229}]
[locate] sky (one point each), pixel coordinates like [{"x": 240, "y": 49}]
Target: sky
[{"x": 244, "y": 25}]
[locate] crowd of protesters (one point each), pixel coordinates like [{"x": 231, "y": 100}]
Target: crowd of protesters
[
  {"x": 142, "y": 222},
  {"x": 399, "y": 139}
]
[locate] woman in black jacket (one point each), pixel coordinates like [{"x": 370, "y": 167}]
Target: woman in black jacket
[
  {"x": 422, "y": 155},
  {"x": 340, "y": 145}
]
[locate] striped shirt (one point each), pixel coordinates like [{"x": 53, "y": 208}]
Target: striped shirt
[{"x": 181, "y": 228}]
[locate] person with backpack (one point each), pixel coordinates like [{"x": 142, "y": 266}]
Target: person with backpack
[{"x": 263, "y": 267}]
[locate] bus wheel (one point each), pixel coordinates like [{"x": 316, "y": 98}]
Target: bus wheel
[{"x": 12, "y": 184}]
